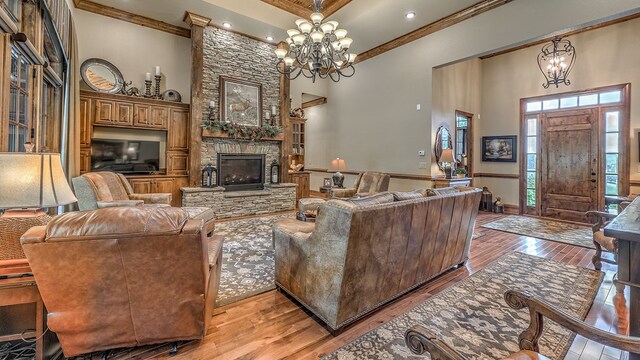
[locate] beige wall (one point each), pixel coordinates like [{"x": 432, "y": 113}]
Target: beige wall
[
  {"x": 373, "y": 121},
  {"x": 136, "y": 50},
  {"x": 455, "y": 87},
  {"x": 605, "y": 57}
]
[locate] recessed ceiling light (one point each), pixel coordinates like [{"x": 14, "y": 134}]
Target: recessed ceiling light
[
  {"x": 226, "y": 24},
  {"x": 269, "y": 38},
  {"x": 410, "y": 15}
]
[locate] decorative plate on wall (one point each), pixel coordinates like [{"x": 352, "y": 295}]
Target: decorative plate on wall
[
  {"x": 101, "y": 76},
  {"x": 171, "y": 95}
]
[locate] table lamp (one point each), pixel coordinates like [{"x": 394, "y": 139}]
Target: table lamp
[
  {"x": 32, "y": 182},
  {"x": 338, "y": 165},
  {"x": 447, "y": 158}
]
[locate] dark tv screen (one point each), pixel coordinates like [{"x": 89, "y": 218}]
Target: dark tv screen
[{"x": 125, "y": 156}]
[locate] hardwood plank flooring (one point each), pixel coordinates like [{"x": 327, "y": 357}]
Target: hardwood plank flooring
[{"x": 272, "y": 326}]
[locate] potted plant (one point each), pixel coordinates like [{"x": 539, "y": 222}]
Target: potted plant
[{"x": 461, "y": 173}]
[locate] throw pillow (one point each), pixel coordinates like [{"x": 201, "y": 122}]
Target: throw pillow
[
  {"x": 381, "y": 198},
  {"x": 442, "y": 191}
]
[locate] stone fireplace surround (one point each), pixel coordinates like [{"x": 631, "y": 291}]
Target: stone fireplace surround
[{"x": 226, "y": 204}]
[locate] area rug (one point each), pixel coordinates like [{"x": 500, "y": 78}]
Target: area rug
[
  {"x": 248, "y": 264},
  {"x": 545, "y": 229},
  {"x": 472, "y": 316}
]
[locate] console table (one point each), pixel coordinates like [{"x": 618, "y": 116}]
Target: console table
[
  {"x": 626, "y": 228},
  {"x": 453, "y": 182}
]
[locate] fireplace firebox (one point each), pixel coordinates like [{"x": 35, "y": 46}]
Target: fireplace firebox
[{"x": 241, "y": 171}]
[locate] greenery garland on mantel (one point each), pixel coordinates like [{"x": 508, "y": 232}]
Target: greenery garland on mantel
[{"x": 238, "y": 131}]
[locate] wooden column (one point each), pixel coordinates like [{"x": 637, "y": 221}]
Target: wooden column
[
  {"x": 197, "y": 24},
  {"x": 285, "y": 107}
]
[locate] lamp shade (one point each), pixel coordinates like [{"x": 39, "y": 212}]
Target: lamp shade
[
  {"x": 33, "y": 181},
  {"x": 447, "y": 156},
  {"x": 338, "y": 165}
]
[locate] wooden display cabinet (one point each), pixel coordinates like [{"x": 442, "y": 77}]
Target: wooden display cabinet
[{"x": 115, "y": 110}]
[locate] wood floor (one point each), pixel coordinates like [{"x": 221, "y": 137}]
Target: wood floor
[{"x": 271, "y": 326}]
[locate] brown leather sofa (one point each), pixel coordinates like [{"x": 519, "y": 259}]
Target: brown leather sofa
[
  {"x": 124, "y": 277},
  {"x": 367, "y": 183},
  {"x": 366, "y": 252},
  {"x": 97, "y": 190}
]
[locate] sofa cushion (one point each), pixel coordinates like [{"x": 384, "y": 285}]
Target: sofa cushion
[
  {"x": 381, "y": 198},
  {"x": 443, "y": 191},
  {"x": 407, "y": 195}
]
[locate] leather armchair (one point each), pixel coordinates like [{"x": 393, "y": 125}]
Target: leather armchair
[
  {"x": 125, "y": 277},
  {"x": 420, "y": 340},
  {"x": 367, "y": 183},
  {"x": 97, "y": 190}
]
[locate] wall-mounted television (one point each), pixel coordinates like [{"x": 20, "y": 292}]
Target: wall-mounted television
[{"x": 125, "y": 156}]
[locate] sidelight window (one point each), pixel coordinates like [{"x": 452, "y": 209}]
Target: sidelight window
[
  {"x": 612, "y": 152},
  {"x": 532, "y": 160}
]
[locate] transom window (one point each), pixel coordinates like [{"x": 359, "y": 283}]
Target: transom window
[{"x": 589, "y": 99}]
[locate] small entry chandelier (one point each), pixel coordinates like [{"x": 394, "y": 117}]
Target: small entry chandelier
[
  {"x": 316, "y": 49},
  {"x": 555, "y": 61}
]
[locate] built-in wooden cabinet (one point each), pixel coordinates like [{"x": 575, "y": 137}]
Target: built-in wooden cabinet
[
  {"x": 179, "y": 134},
  {"x": 86, "y": 119},
  {"x": 114, "y": 110},
  {"x": 302, "y": 179}
]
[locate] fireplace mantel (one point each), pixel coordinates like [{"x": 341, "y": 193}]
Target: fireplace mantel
[{"x": 220, "y": 135}]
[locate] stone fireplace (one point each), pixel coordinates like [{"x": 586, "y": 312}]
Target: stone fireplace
[{"x": 238, "y": 172}]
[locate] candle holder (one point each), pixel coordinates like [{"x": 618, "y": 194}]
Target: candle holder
[
  {"x": 147, "y": 86},
  {"x": 211, "y": 114},
  {"x": 157, "y": 94}
]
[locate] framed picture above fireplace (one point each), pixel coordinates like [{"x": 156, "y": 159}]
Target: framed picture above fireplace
[{"x": 240, "y": 101}]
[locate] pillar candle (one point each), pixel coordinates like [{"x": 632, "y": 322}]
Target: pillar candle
[
  {"x": 148, "y": 77},
  {"x": 157, "y": 70}
]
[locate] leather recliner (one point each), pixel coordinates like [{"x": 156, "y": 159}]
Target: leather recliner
[
  {"x": 125, "y": 276},
  {"x": 97, "y": 190}
]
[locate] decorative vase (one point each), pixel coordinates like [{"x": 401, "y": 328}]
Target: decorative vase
[{"x": 461, "y": 176}]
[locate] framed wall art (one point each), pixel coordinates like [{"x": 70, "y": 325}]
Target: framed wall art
[
  {"x": 499, "y": 148},
  {"x": 240, "y": 101}
]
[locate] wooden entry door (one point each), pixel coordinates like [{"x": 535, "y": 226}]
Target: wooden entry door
[{"x": 569, "y": 179}]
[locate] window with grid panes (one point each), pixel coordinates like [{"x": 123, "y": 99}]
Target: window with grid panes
[{"x": 19, "y": 125}]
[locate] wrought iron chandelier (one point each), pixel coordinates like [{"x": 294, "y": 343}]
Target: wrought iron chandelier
[
  {"x": 316, "y": 49},
  {"x": 555, "y": 61}
]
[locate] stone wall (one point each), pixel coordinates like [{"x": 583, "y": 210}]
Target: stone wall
[
  {"x": 237, "y": 56},
  {"x": 240, "y": 57},
  {"x": 211, "y": 147},
  {"x": 275, "y": 198}
]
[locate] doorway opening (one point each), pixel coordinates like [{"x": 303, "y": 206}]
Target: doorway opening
[
  {"x": 464, "y": 141},
  {"x": 574, "y": 152}
]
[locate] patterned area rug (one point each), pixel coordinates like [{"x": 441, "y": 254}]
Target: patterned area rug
[
  {"x": 248, "y": 264},
  {"x": 545, "y": 229},
  {"x": 472, "y": 316}
]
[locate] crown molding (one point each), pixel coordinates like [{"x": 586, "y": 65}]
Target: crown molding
[
  {"x": 193, "y": 19},
  {"x": 141, "y": 20}
]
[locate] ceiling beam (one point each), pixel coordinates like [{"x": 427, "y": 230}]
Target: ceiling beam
[
  {"x": 471, "y": 11},
  {"x": 295, "y": 8},
  {"x": 574, "y": 32},
  {"x": 115, "y": 13}
]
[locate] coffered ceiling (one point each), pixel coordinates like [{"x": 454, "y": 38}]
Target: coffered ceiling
[{"x": 370, "y": 22}]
